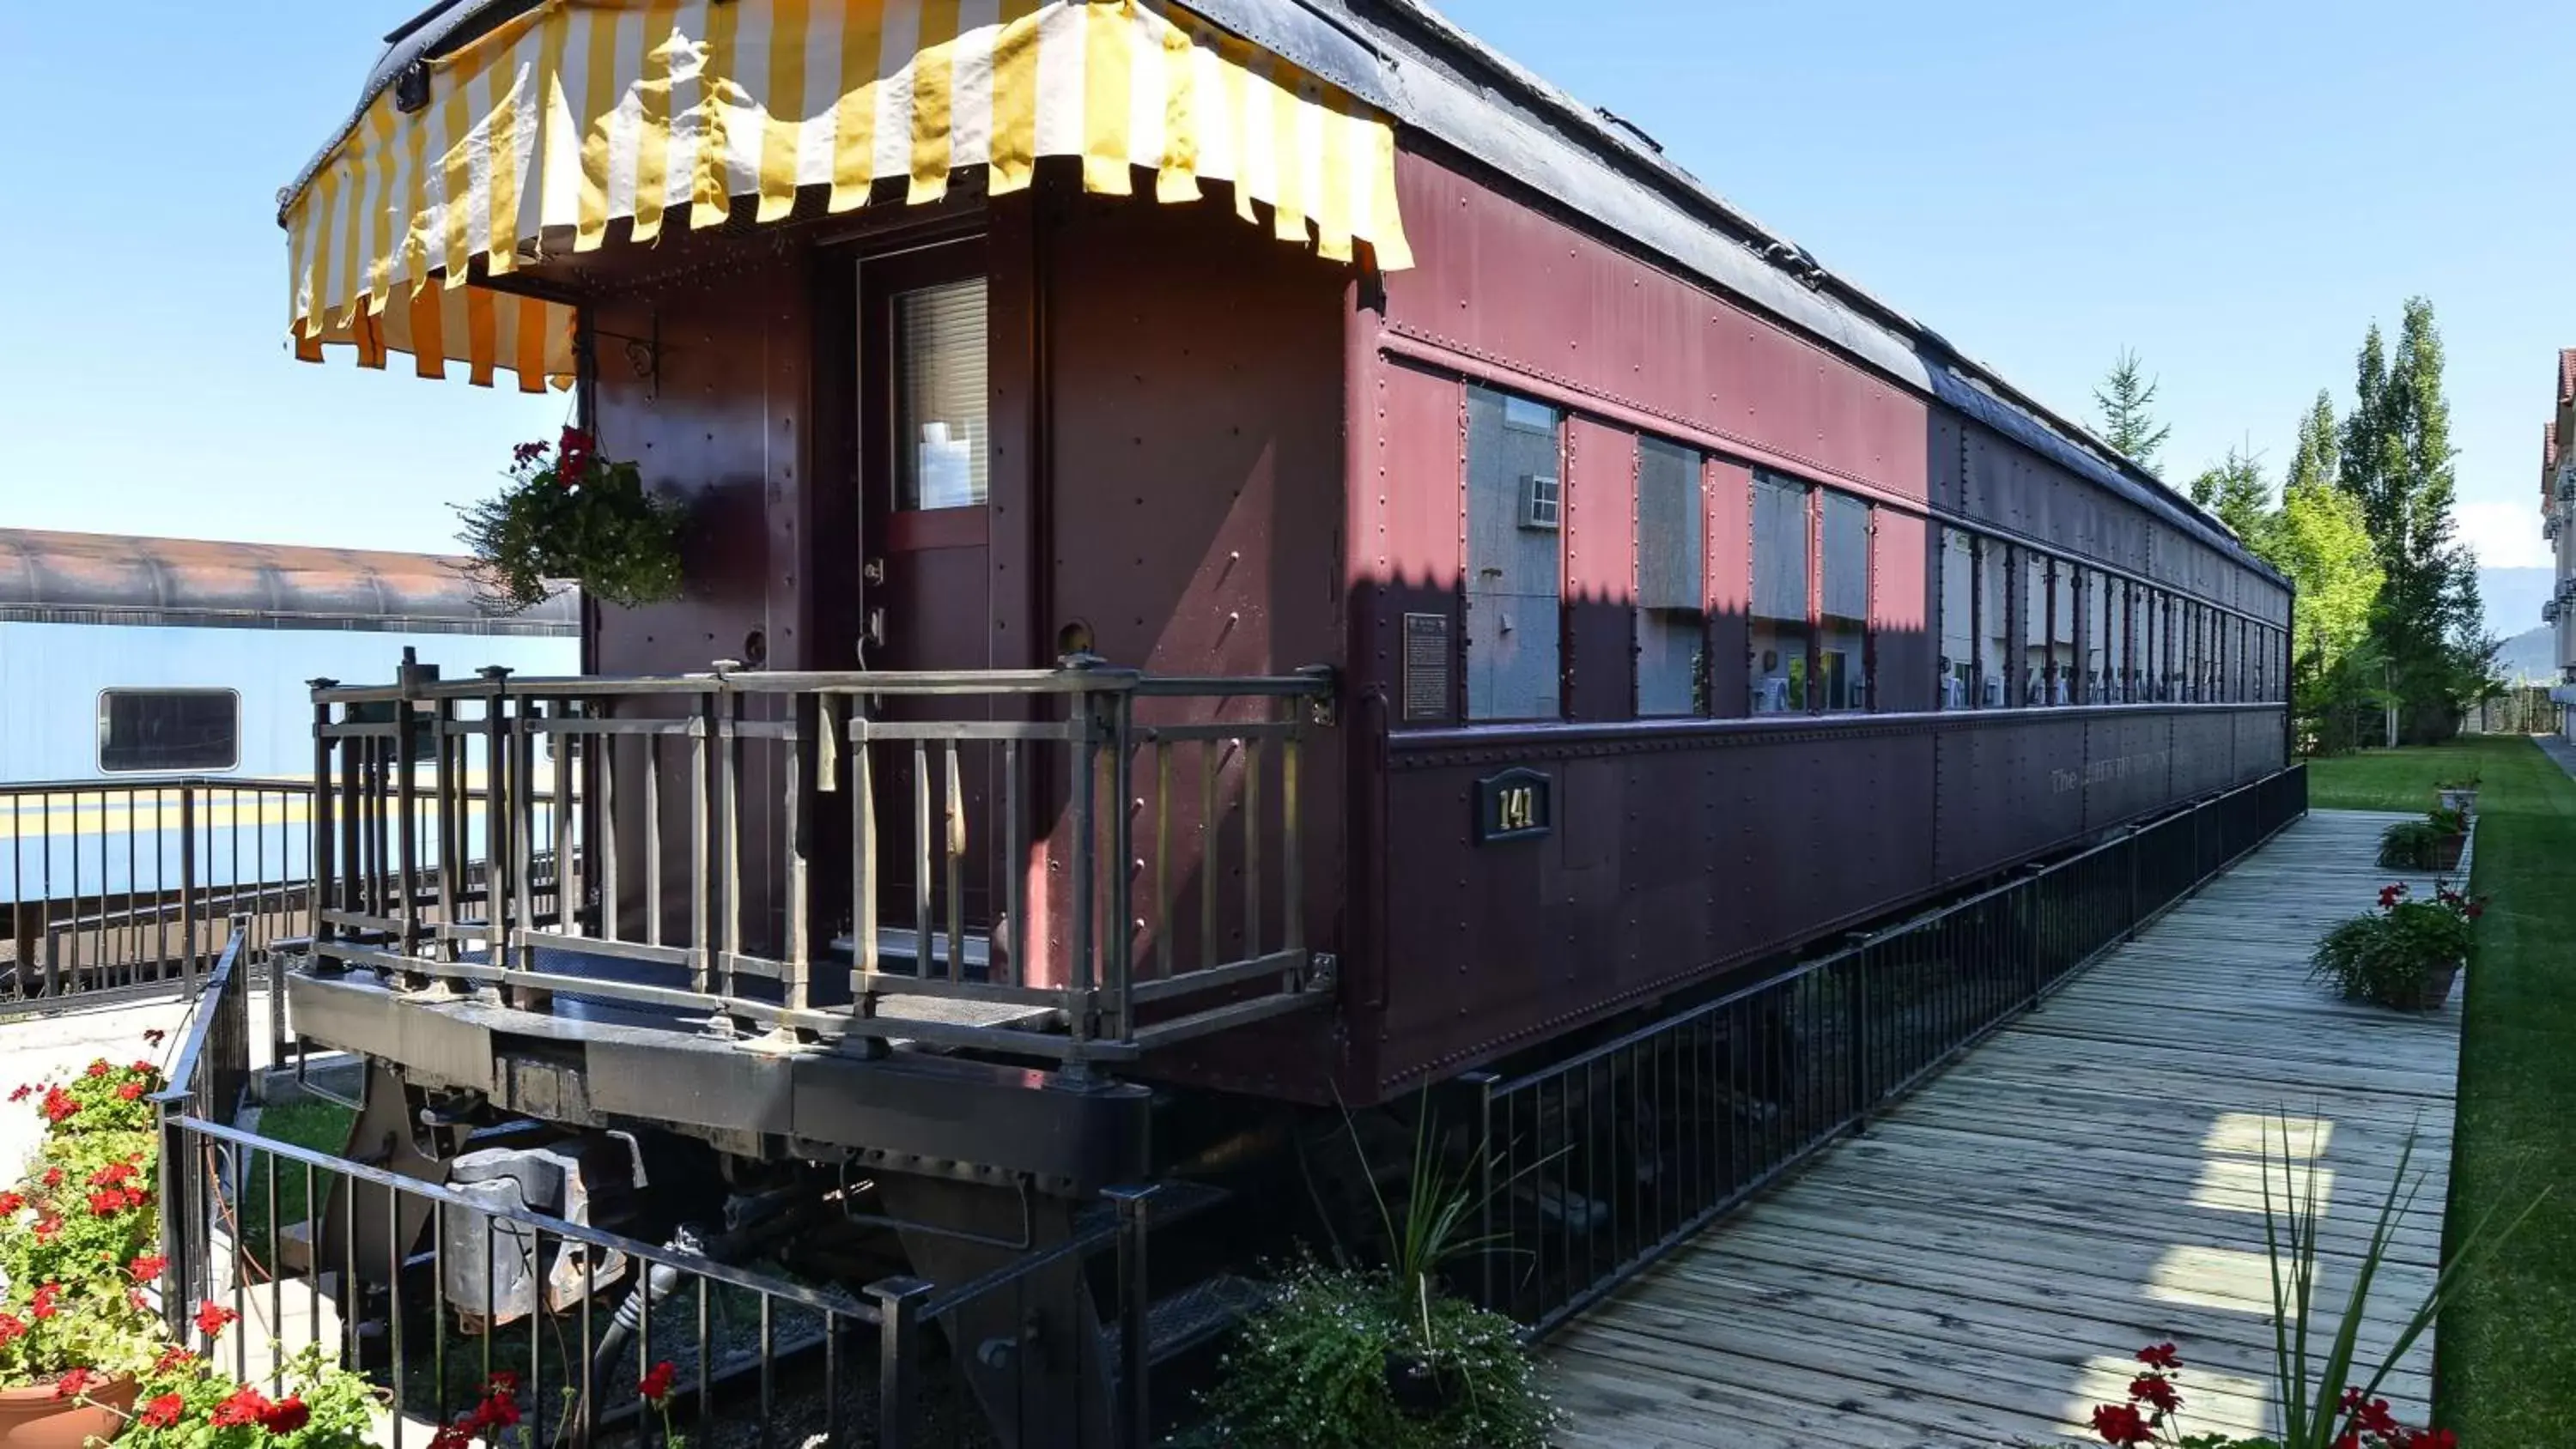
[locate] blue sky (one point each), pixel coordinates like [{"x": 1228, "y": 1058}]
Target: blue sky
[{"x": 2233, "y": 189}]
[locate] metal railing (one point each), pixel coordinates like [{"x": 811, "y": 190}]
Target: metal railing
[
  {"x": 1092, "y": 861},
  {"x": 122, "y": 887},
  {"x": 1595, "y": 1166},
  {"x": 363, "y": 1271}
]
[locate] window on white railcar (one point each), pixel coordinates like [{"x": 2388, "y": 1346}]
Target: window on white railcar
[
  {"x": 161, "y": 730},
  {"x": 1779, "y": 635},
  {"x": 1672, "y": 591},
  {"x": 1842, "y": 653},
  {"x": 1958, "y": 620},
  {"x": 1515, "y": 523}
]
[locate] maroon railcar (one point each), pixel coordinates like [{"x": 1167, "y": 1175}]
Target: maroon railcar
[{"x": 1497, "y": 589}]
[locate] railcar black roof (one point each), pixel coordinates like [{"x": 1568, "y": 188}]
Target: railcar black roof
[
  {"x": 107, "y": 578},
  {"x": 1436, "y": 80}
]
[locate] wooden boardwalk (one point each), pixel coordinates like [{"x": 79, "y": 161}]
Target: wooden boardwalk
[{"x": 1980, "y": 1266}]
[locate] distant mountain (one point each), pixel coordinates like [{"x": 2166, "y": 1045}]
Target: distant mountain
[
  {"x": 2527, "y": 655},
  {"x": 2513, "y": 598}
]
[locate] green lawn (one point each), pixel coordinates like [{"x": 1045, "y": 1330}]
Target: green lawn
[
  {"x": 2507, "y": 1371},
  {"x": 311, "y": 1122}
]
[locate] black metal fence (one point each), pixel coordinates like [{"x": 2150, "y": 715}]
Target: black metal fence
[
  {"x": 124, "y": 887},
  {"x": 1596, "y": 1165},
  {"x": 406, "y": 1280}
]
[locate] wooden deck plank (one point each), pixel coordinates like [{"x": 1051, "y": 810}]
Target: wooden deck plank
[{"x": 1979, "y": 1264}]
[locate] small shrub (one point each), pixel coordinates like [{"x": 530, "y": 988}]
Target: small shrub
[
  {"x": 1315, "y": 1369},
  {"x": 570, "y": 514}
]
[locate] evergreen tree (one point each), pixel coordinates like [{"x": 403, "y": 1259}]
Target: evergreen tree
[
  {"x": 2236, "y": 492},
  {"x": 2124, "y": 399}
]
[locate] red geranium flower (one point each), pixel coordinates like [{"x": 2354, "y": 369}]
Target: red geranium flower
[
  {"x": 2121, "y": 1425},
  {"x": 2155, "y": 1390},
  {"x": 164, "y": 1411},
  {"x": 43, "y": 1305},
  {"x": 112, "y": 1174},
  {"x": 655, "y": 1386},
  {"x": 171, "y": 1358},
  {"x": 23, "y": 1092},
  {"x": 502, "y": 1381},
  {"x": 499, "y": 1411},
  {"x": 141, "y": 1069},
  {"x": 107, "y": 1203},
  {"x": 454, "y": 1436},
  {"x": 2432, "y": 1439},
  {"x": 76, "y": 1382},
  {"x": 12, "y": 1328},
  {"x": 10, "y": 1202},
  {"x": 53, "y": 1177},
  {"x": 58, "y": 1107},
  {"x": 148, "y": 1267},
  {"x": 246, "y": 1406},
  {"x": 100, "y": 1068},
  {"x": 2160, "y": 1356},
  {"x": 131, "y": 1091},
  {"x": 285, "y": 1416},
  {"x": 47, "y": 1226},
  {"x": 212, "y": 1318}
]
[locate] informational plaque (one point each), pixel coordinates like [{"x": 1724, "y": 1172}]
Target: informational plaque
[{"x": 1427, "y": 662}]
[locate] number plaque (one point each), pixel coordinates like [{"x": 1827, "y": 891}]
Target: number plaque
[{"x": 1515, "y": 805}]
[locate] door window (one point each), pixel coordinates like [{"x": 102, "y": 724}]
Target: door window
[{"x": 941, "y": 401}]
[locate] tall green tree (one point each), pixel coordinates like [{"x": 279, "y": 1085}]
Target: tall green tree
[
  {"x": 2396, "y": 462},
  {"x": 2319, "y": 538},
  {"x": 2126, "y": 398},
  {"x": 2236, "y": 492},
  {"x": 2319, "y": 456}
]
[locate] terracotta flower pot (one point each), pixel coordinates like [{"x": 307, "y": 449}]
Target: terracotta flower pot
[{"x": 32, "y": 1418}]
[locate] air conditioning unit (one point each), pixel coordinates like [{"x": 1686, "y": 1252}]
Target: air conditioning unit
[{"x": 1542, "y": 502}]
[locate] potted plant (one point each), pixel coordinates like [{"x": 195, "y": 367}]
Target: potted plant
[
  {"x": 2433, "y": 843},
  {"x": 2407, "y": 954},
  {"x": 1381, "y": 1358},
  {"x": 569, "y": 513},
  {"x": 2458, "y": 793},
  {"x": 77, "y": 1240}
]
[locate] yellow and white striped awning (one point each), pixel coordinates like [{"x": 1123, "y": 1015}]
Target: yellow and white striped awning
[{"x": 580, "y": 113}]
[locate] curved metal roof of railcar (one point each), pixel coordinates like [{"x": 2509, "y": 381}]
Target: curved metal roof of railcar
[
  {"x": 1410, "y": 61},
  {"x": 106, "y": 578}
]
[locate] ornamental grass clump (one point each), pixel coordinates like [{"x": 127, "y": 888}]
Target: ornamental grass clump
[
  {"x": 2406, "y": 953},
  {"x": 2321, "y": 1397},
  {"x": 569, "y": 513}
]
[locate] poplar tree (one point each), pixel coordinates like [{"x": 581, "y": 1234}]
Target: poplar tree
[{"x": 2396, "y": 462}]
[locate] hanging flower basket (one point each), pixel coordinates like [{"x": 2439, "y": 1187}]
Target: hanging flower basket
[{"x": 569, "y": 513}]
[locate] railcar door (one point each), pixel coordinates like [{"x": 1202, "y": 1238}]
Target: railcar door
[{"x": 924, "y": 580}]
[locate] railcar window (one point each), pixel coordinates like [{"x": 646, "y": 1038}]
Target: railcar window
[
  {"x": 1515, "y": 466},
  {"x": 2061, "y": 633},
  {"x": 168, "y": 729},
  {"x": 2034, "y": 629},
  {"x": 1958, "y": 620},
  {"x": 2196, "y": 640},
  {"x": 1672, "y": 593},
  {"x": 1843, "y": 654},
  {"x": 2151, "y": 643},
  {"x": 1996, "y": 562},
  {"x": 1779, "y": 634},
  {"x": 941, "y": 401}
]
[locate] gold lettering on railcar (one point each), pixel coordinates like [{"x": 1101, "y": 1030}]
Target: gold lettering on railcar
[{"x": 2110, "y": 768}]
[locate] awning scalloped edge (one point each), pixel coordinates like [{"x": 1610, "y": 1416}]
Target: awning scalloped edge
[{"x": 581, "y": 113}]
